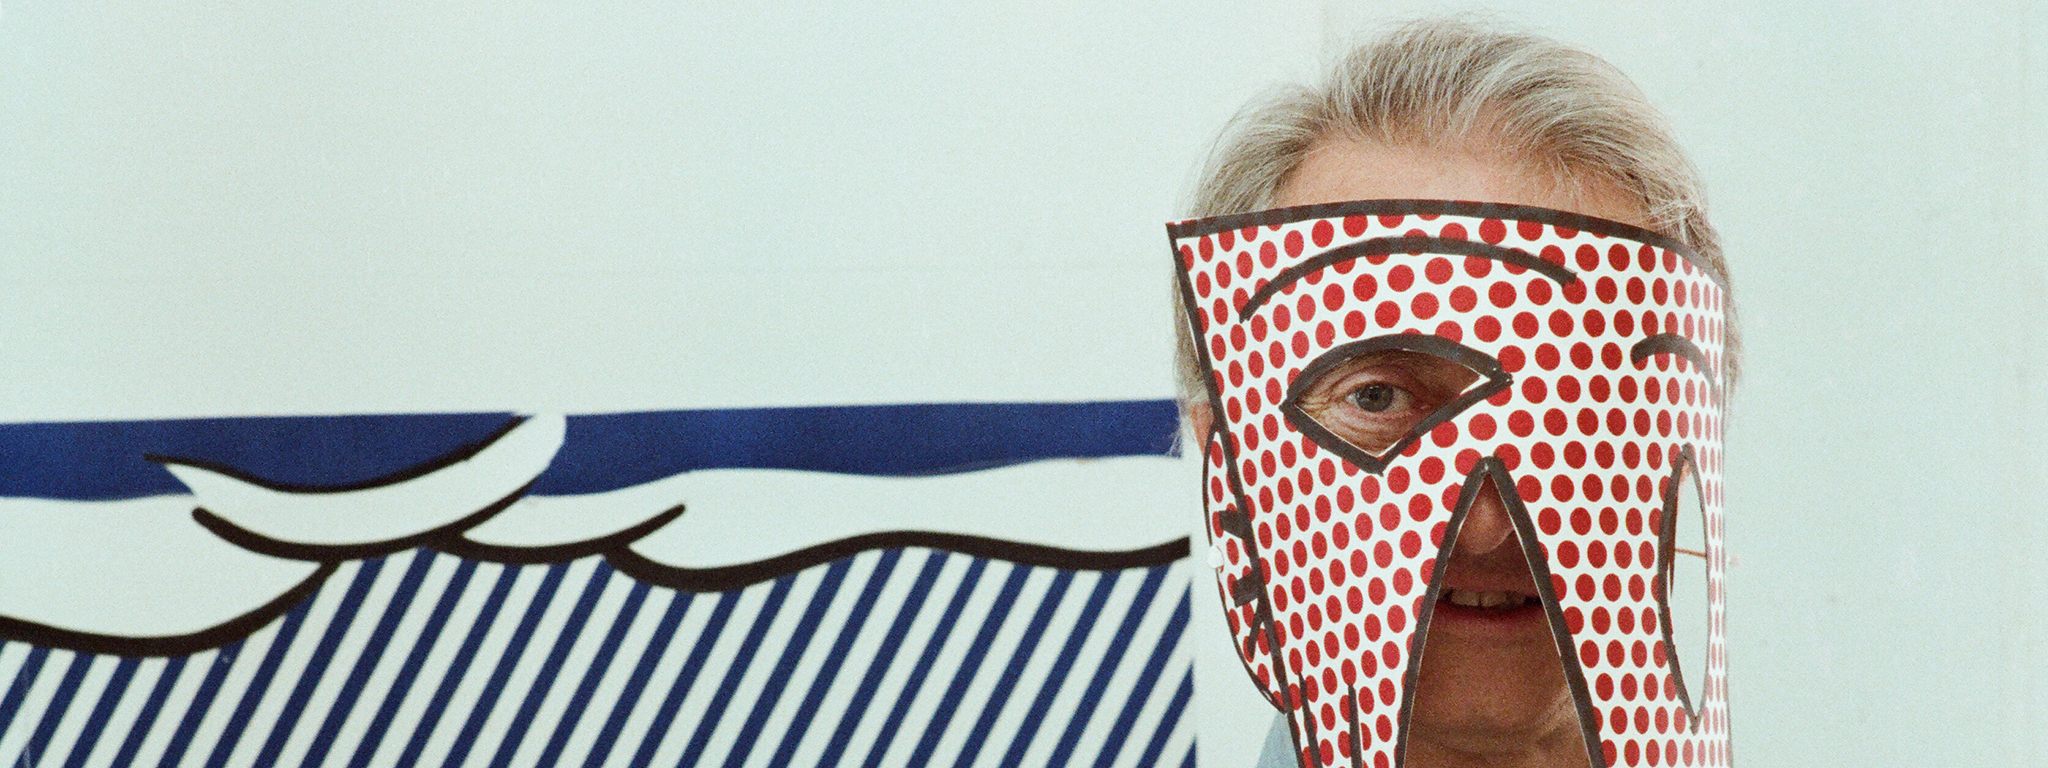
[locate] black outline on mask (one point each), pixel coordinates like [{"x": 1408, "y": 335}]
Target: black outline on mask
[
  {"x": 1492, "y": 470},
  {"x": 1409, "y": 207},
  {"x": 1667, "y": 541},
  {"x": 1674, "y": 344},
  {"x": 1389, "y": 246},
  {"x": 1262, "y": 610},
  {"x": 1357, "y": 729},
  {"x": 1492, "y": 380}
]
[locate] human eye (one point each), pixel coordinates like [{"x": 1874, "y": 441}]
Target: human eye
[
  {"x": 1373, "y": 401},
  {"x": 1368, "y": 399}
]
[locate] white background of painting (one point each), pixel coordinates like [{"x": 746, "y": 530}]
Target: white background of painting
[{"x": 213, "y": 208}]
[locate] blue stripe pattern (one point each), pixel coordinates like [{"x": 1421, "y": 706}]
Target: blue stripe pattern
[{"x": 852, "y": 662}]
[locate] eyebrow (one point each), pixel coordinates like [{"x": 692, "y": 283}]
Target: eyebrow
[
  {"x": 1384, "y": 246},
  {"x": 1673, "y": 344}
]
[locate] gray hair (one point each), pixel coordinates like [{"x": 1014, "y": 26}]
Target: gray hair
[{"x": 1442, "y": 82}]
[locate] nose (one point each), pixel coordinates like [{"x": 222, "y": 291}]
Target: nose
[{"x": 1487, "y": 527}]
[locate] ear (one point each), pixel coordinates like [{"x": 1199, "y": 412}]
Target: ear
[{"x": 1202, "y": 419}]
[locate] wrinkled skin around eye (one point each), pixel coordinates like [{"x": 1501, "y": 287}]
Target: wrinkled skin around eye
[{"x": 1373, "y": 400}]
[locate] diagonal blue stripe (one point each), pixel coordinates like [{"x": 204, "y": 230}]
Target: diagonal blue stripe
[
  {"x": 1169, "y": 720},
  {"x": 60, "y": 704},
  {"x": 1111, "y": 658},
  {"x": 1189, "y": 761},
  {"x": 932, "y": 648},
  {"x": 1006, "y": 685},
  {"x": 96, "y": 723},
  {"x": 650, "y": 657},
  {"x": 459, "y": 666},
  {"x": 848, "y": 632},
  {"x": 715, "y": 712},
  {"x": 316, "y": 667},
  {"x": 543, "y": 682},
  {"x": 970, "y": 665},
  {"x": 145, "y": 720},
  {"x": 202, "y": 700},
  {"x": 24, "y": 678},
  {"x": 245, "y": 709},
  {"x": 785, "y": 666},
  {"x": 885, "y": 656},
  {"x": 373, "y": 652},
  {"x": 686, "y": 678},
  {"x": 521, "y": 635},
  {"x": 415, "y": 660},
  {"x": 599, "y": 664},
  {"x": 1141, "y": 691},
  {"x": 1056, "y": 678}
]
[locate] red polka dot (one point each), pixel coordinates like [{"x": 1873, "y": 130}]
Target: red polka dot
[
  {"x": 1561, "y": 323},
  {"x": 1502, "y": 294},
  {"x": 1486, "y": 328},
  {"x": 1538, "y": 292},
  {"x": 1478, "y": 267},
  {"x": 1423, "y": 306},
  {"x": 1323, "y": 233},
  {"x": 1511, "y": 359},
  {"x": 1438, "y": 271},
  {"x": 1401, "y": 277},
  {"x": 1525, "y": 325},
  {"x": 1529, "y": 230},
  {"x": 1588, "y": 257},
  {"x": 1388, "y": 314},
  {"x": 1364, "y": 287},
  {"x": 1491, "y": 230},
  {"x": 1333, "y": 295}
]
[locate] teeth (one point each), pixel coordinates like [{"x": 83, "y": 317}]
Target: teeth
[{"x": 1479, "y": 599}]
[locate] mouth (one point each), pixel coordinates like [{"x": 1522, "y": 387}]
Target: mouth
[
  {"x": 1481, "y": 611},
  {"x": 1487, "y": 600}
]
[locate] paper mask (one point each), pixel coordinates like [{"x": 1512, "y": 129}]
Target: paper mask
[{"x": 1588, "y": 356}]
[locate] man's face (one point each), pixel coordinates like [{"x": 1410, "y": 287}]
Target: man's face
[{"x": 1490, "y": 682}]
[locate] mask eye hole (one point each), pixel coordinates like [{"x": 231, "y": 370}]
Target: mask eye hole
[{"x": 1369, "y": 399}]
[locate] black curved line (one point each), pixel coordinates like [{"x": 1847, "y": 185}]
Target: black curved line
[
  {"x": 1667, "y": 535},
  {"x": 437, "y": 538},
  {"x": 173, "y": 645},
  {"x": 430, "y": 466},
  {"x": 733, "y": 577},
  {"x": 1674, "y": 344},
  {"x": 1492, "y": 469},
  {"x": 1404, "y": 207},
  {"x": 462, "y": 546},
  {"x": 1493, "y": 380},
  {"x": 1385, "y": 246}
]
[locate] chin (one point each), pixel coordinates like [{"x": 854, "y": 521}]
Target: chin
[{"x": 1491, "y": 699}]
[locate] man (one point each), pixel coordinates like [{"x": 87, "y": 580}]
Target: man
[{"x": 1333, "y": 201}]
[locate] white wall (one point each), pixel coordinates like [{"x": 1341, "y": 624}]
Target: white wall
[{"x": 216, "y": 208}]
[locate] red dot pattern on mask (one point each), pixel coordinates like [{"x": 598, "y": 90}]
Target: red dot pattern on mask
[{"x": 1346, "y": 609}]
